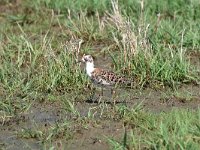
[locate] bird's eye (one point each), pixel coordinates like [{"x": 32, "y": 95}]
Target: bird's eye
[{"x": 90, "y": 57}]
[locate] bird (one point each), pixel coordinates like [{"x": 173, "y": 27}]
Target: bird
[{"x": 102, "y": 77}]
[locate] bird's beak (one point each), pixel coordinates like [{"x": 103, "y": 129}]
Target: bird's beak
[
  {"x": 79, "y": 61},
  {"x": 83, "y": 59}
]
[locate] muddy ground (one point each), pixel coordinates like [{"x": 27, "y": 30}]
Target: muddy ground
[{"x": 46, "y": 114}]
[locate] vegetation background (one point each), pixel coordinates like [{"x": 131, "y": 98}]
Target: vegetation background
[{"x": 44, "y": 91}]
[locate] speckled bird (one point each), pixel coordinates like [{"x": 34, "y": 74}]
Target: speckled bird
[{"x": 103, "y": 77}]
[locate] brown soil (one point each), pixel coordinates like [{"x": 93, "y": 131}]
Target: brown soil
[{"x": 101, "y": 126}]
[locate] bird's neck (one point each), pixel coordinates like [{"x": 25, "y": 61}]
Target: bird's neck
[{"x": 89, "y": 68}]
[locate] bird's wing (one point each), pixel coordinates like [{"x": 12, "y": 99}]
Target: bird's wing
[{"x": 108, "y": 78}]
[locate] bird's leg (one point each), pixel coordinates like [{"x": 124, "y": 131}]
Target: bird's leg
[
  {"x": 113, "y": 92},
  {"x": 92, "y": 94},
  {"x": 101, "y": 91},
  {"x": 101, "y": 95}
]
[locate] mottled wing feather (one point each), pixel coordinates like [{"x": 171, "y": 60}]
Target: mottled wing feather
[
  {"x": 105, "y": 77},
  {"x": 99, "y": 77}
]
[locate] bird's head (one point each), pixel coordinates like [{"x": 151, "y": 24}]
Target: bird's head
[{"x": 87, "y": 58}]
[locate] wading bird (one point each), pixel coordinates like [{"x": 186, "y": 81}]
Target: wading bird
[{"x": 104, "y": 78}]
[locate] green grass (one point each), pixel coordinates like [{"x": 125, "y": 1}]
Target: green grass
[
  {"x": 178, "y": 129},
  {"x": 39, "y": 54}
]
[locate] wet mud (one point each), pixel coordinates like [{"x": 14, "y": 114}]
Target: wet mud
[{"x": 101, "y": 120}]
